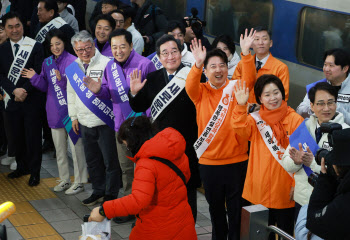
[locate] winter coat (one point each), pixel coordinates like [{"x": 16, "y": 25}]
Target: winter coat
[{"x": 159, "y": 196}]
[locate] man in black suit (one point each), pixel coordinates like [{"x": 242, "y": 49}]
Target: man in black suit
[
  {"x": 179, "y": 114},
  {"x": 24, "y": 101}
]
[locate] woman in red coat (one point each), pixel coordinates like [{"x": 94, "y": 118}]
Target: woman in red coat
[{"x": 159, "y": 195}]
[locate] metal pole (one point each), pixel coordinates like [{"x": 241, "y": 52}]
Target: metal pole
[{"x": 280, "y": 232}]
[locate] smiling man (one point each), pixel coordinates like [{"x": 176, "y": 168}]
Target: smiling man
[
  {"x": 115, "y": 86},
  {"x": 105, "y": 24},
  {"x": 336, "y": 69},
  {"x": 263, "y": 61}
]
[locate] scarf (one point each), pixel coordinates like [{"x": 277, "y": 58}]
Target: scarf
[{"x": 274, "y": 118}]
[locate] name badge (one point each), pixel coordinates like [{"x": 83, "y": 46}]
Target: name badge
[
  {"x": 95, "y": 73},
  {"x": 345, "y": 98}
]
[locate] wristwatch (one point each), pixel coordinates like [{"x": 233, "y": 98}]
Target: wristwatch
[{"x": 102, "y": 211}]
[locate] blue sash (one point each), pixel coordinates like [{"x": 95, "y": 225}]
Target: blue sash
[
  {"x": 155, "y": 60},
  {"x": 119, "y": 89},
  {"x": 102, "y": 108},
  {"x": 311, "y": 85},
  {"x": 302, "y": 135},
  {"x": 60, "y": 99}
]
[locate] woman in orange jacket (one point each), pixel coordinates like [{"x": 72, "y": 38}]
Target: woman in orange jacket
[
  {"x": 268, "y": 130},
  {"x": 159, "y": 195}
]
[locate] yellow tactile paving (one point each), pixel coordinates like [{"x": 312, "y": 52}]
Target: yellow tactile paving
[
  {"x": 26, "y": 219},
  {"x": 37, "y": 230},
  {"x": 53, "y": 237},
  {"x": 51, "y": 182},
  {"x": 8, "y": 191},
  {"x": 24, "y": 207}
]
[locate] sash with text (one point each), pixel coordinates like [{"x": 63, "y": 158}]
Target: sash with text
[{"x": 54, "y": 23}]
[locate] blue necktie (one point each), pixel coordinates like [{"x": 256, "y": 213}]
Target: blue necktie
[
  {"x": 318, "y": 134},
  {"x": 171, "y": 77}
]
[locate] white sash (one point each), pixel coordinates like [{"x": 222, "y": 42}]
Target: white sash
[
  {"x": 169, "y": 92},
  {"x": 54, "y": 23},
  {"x": 269, "y": 140},
  {"x": 19, "y": 63},
  {"x": 215, "y": 121}
]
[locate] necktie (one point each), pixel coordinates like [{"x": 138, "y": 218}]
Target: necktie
[
  {"x": 85, "y": 66},
  {"x": 170, "y": 77},
  {"x": 258, "y": 66},
  {"x": 17, "y": 48},
  {"x": 318, "y": 134}
]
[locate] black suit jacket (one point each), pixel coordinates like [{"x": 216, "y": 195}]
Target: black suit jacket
[
  {"x": 35, "y": 97},
  {"x": 180, "y": 115}
]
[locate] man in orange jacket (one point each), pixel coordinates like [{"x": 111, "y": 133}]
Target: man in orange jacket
[{"x": 263, "y": 61}]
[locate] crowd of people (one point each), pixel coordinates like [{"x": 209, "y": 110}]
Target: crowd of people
[{"x": 151, "y": 106}]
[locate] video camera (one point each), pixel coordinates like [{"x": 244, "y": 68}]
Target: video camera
[
  {"x": 195, "y": 23},
  {"x": 326, "y": 153}
]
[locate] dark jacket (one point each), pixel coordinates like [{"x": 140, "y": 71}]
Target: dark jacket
[
  {"x": 328, "y": 215},
  {"x": 180, "y": 114},
  {"x": 35, "y": 98},
  {"x": 150, "y": 21}
]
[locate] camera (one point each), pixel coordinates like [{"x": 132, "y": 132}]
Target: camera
[
  {"x": 326, "y": 153},
  {"x": 194, "y": 21}
]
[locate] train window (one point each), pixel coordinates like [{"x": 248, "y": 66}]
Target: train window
[
  {"x": 234, "y": 16},
  {"x": 174, "y": 10},
  {"x": 321, "y": 30}
]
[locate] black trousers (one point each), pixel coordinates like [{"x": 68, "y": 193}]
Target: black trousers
[
  {"x": 224, "y": 184},
  {"x": 284, "y": 218},
  {"x": 102, "y": 159},
  {"x": 9, "y": 130},
  {"x": 3, "y": 138},
  {"x": 27, "y": 126},
  {"x": 192, "y": 200}
]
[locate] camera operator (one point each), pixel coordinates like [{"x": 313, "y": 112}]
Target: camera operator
[
  {"x": 328, "y": 214},
  {"x": 302, "y": 161}
]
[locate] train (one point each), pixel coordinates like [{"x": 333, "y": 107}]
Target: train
[{"x": 301, "y": 30}]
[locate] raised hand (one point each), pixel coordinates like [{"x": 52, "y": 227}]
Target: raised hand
[
  {"x": 307, "y": 157},
  {"x": 247, "y": 41},
  {"x": 295, "y": 155},
  {"x": 58, "y": 75},
  {"x": 199, "y": 52},
  {"x": 28, "y": 73},
  {"x": 241, "y": 93},
  {"x": 135, "y": 82},
  {"x": 93, "y": 86}
]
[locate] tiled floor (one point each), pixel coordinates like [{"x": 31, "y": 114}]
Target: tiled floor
[{"x": 44, "y": 214}]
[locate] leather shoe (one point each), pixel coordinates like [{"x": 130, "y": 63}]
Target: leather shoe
[
  {"x": 16, "y": 174},
  {"x": 34, "y": 180}
]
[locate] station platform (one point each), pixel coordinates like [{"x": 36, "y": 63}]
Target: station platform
[{"x": 43, "y": 214}]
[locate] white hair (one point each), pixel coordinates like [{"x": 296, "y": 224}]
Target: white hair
[{"x": 82, "y": 36}]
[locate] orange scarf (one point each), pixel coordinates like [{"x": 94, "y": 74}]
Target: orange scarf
[{"x": 274, "y": 118}]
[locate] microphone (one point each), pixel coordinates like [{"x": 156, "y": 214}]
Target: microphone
[{"x": 6, "y": 209}]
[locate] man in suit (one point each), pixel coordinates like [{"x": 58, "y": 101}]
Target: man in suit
[
  {"x": 179, "y": 114},
  {"x": 24, "y": 101}
]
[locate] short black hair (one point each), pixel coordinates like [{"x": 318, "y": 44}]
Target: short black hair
[
  {"x": 11, "y": 15},
  {"x": 341, "y": 57},
  {"x": 215, "y": 53},
  {"x": 263, "y": 28},
  {"x": 173, "y": 24},
  {"x": 226, "y": 39},
  {"x": 136, "y": 131},
  {"x": 322, "y": 86},
  {"x": 167, "y": 38},
  {"x": 264, "y": 80},
  {"x": 121, "y": 32},
  {"x": 110, "y": 2},
  {"x": 129, "y": 12},
  {"x": 107, "y": 18},
  {"x": 117, "y": 11},
  {"x": 56, "y": 33},
  {"x": 51, "y": 5},
  {"x": 63, "y": 1}
]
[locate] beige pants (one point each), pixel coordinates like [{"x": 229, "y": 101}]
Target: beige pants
[
  {"x": 59, "y": 136},
  {"x": 127, "y": 167}
]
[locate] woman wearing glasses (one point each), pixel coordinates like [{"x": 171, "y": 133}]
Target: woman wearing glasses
[
  {"x": 159, "y": 195},
  {"x": 53, "y": 81}
]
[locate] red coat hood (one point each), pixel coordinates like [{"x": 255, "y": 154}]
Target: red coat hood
[{"x": 168, "y": 144}]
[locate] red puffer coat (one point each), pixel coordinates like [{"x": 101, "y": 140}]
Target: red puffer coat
[{"x": 158, "y": 195}]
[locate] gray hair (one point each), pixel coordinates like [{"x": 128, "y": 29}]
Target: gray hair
[{"x": 82, "y": 36}]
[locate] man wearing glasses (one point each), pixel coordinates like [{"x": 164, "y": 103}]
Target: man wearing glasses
[
  {"x": 164, "y": 91},
  {"x": 93, "y": 119},
  {"x": 336, "y": 70}
]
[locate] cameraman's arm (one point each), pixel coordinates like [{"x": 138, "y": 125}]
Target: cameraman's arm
[{"x": 323, "y": 211}]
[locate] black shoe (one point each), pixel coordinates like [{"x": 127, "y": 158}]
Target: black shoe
[
  {"x": 34, "y": 180},
  {"x": 16, "y": 174},
  {"x": 109, "y": 198},
  {"x": 92, "y": 200},
  {"x": 47, "y": 146},
  {"x": 124, "y": 219}
]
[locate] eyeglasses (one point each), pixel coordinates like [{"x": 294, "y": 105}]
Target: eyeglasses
[
  {"x": 323, "y": 104},
  {"x": 166, "y": 54},
  {"x": 87, "y": 49}
]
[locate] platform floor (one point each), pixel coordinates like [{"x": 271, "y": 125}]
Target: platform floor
[{"x": 44, "y": 214}]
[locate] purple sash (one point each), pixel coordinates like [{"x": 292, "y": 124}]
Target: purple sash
[
  {"x": 102, "y": 108},
  {"x": 119, "y": 89},
  {"x": 60, "y": 99}
]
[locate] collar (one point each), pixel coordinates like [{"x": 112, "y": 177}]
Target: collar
[
  {"x": 127, "y": 62},
  {"x": 131, "y": 27},
  {"x": 184, "y": 50},
  {"x": 171, "y": 74},
  {"x": 19, "y": 42},
  {"x": 64, "y": 13},
  {"x": 264, "y": 60},
  {"x": 215, "y": 86},
  {"x": 62, "y": 56}
]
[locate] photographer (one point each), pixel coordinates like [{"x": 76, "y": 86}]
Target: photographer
[{"x": 329, "y": 212}]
